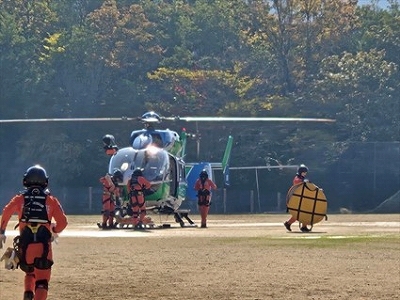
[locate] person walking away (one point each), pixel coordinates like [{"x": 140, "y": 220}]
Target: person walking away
[
  {"x": 203, "y": 186},
  {"x": 299, "y": 178},
  {"x": 36, "y": 209}
]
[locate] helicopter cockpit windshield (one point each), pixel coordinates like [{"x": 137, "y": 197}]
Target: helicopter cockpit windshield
[
  {"x": 122, "y": 161},
  {"x": 153, "y": 161},
  {"x": 141, "y": 139}
]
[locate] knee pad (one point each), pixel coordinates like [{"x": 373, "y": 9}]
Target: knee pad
[
  {"x": 106, "y": 213},
  {"x": 28, "y": 295},
  {"x": 42, "y": 284}
]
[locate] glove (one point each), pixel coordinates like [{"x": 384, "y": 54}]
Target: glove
[
  {"x": 2, "y": 240},
  {"x": 54, "y": 236},
  {"x": 10, "y": 258}
]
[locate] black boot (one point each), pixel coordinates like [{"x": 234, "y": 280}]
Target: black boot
[
  {"x": 305, "y": 229},
  {"x": 287, "y": 225},
  {"x": 28, "y": 295}
]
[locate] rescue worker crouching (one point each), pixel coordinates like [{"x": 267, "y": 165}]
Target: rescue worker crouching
[
  {"x": 203, "y": 186},
  {"x": 36, "y": 209}
]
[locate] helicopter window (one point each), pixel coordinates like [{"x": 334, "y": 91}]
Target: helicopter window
[
  {"x": 141, "y": 141},
  {"x": 157, "y": 140},
  {"x": 173, "y": 176},
  {"x": 154, "y": 163},
  {"x": 121, "y": 160},
  {"x": 182, "y": 170},
  {"x": 169, "y": 138}
]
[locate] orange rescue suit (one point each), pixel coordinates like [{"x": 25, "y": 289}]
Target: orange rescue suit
[
  {"x": 203, "y": 189},
  {"x": 136, "y": 189},
  {"x": 110, "y": 192},
  {"x": 33, "y": 245},
  {"x": 298, "y": 179}
]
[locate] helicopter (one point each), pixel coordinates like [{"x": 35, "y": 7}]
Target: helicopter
[{"x": 160, "y": 154}]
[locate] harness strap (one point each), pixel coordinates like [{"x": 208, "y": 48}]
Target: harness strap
[{"x": 31, "y": 234}]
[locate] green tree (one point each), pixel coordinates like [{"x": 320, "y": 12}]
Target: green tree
[
  {"x": 363, "y": 90},
  {"x": 298, "y": 35},
  {"x": 24, "y": 26}
]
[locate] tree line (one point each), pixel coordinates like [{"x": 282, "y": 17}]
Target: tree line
[{"x": 112, "y": 58}]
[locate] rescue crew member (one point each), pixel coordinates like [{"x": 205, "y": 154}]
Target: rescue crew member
[
  {"x": 36, "y": 209},
  {"x": 138, "y": 187},
  {"x": 299, "y": 178},
  {"x": 118, "y": 179},
  {"x": 110, "y": 147},
  {"x": 203, "y": 186},
  {"x": 110, "y": 194}
]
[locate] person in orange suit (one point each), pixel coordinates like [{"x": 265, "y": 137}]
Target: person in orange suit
[
  {"x": 203, "y": 186},
  {"x": 299, "y": 178},
  {"x": 36, "y": 209},
  {"x": 138, "y": 187},
  {"x": 110, "y": 195}
]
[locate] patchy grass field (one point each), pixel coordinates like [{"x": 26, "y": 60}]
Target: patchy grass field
[{"x": 237, "y": 257}]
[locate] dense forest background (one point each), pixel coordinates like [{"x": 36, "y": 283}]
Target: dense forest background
[{"x": 298, "y": 58}]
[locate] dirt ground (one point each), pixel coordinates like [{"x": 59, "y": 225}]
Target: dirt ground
[{"x": 236, "y": 257}]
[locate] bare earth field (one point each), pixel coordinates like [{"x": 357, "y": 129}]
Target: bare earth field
[{"x": 237, "y": 257}]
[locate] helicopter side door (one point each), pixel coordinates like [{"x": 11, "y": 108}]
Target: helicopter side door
[{"x": 173, "y": 175}]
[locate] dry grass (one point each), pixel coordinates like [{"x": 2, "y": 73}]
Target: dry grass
[{"x": 339, "y": 260}]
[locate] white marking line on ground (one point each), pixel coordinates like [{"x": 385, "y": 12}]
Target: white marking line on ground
[
  {"x": 315, "y": 237},
  {"x": 93, "y": 231}
]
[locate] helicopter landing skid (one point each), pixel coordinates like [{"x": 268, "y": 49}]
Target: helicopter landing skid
[
  {"x": 129, "y": 226},
  {"x": 179, "y": 215}
]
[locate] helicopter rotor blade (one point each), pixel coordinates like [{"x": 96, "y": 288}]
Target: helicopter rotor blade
[
  {"x": 187, "y": 119},
  {"x": 67, "y": 120},
  {"x": 248, "y": 119}
]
